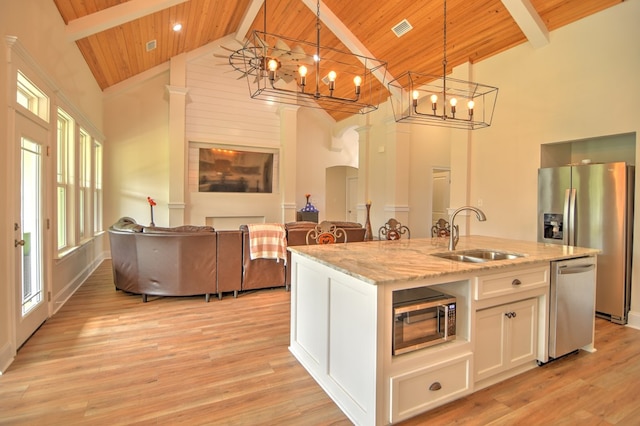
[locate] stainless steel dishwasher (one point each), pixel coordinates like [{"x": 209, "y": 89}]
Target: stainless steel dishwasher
[{"x": 571, "y": 305}]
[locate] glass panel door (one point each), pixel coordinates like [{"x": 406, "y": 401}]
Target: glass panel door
[{"x": 32, "y": 309}]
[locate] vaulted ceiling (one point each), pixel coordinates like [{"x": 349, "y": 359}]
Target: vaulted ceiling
[{"x": 113, "y": 34}]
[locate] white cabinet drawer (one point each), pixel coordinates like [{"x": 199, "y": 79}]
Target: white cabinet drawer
[
  {"x": 420, "y": 390},
  {"x": 511, "y": 282}
]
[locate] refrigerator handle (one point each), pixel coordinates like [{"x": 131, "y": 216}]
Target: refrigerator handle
[{"x": 570, "y": 217}]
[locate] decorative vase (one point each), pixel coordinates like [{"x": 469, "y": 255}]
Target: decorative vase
[
  {"x": 151, "y": 204},
  {"x": 152, "y": 224},
  {"x": 368, "y": 234},
  {"x": 309, "y": 207}
]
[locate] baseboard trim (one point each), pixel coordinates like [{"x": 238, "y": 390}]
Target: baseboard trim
[
  {"x": 61, "y": 297},
  {"x": 633, "y": 320},
  {"x": 7, "y": 355}
]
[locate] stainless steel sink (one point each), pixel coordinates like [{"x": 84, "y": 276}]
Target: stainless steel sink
[
  {"x": 460, "y": 257},
  {"x": 477, "y": 255}
]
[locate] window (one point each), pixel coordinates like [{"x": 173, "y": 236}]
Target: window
[
  {"x": 84, "y": 185},
  {"x": 32, "y": 98},
  {"x": 78, "y": 168},
  {"x": 65, "y": 180},
  {"x": 97, "y": 189}
]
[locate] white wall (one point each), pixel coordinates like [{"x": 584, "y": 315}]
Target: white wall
[
  {"x": 314, "y": 156},
  {"x": 137, "y": 152},
  {"x": 584, "y": 84},
  {"x": 417, "y": 151}
]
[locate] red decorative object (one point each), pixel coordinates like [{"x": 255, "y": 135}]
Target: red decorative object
[{"x": 151, "y": 204}]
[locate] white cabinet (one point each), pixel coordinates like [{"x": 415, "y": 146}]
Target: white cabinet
[
  {"x": 510, "y": 323},
  {"x": 420, "y": 390},
  {"x": 506, "y": 337},
  {"x": 512, "y": 284}
]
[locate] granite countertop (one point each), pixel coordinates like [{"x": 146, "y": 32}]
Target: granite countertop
[{"x": 381, "y": 262}]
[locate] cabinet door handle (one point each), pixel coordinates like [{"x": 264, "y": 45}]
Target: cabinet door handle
[
  {"x": 516, "y": 282},
  {"x": 513, "y": 314},
  {"x": 507, "y": 314},
  {"x": 435, "y": 386}
]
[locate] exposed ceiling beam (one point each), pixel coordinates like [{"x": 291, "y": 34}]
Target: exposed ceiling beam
[
  {"x": 529, "y": 21},
  {"x": 337, "y": 27},
  {"x": 114, "y": 16},
  {"x": 248, "y": 18}
]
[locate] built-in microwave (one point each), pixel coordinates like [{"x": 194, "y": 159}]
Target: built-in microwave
[{"x": 422, "y": 317}]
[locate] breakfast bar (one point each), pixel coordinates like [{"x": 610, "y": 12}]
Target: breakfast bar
[{"x": 344, "y": 332}]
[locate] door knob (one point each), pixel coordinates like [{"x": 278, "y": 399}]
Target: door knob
[{"x": 17, "y": 243}]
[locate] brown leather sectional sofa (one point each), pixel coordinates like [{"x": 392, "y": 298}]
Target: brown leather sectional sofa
[{"x": 195, "y": 260}]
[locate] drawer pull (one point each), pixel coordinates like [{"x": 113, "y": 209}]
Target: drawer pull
[
  {"x": 435, "y": 386},
  {"x": 516, "y": 282}
]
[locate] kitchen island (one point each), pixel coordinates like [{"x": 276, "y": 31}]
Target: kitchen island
[{"x": 342, "y": 320}]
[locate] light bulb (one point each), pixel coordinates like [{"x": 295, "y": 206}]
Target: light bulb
[
  {"x": 272, "y": 64},
  {"x": 357, "y": 80},
  {"x": 471, "y": 104},
  {"x": 434, "y": 99},
  {"x": 416, "y": 95},
  {"x": 303, "y": 76},
  {"x": 332, "y": 76},
  {"x": 453, "y": 102}
]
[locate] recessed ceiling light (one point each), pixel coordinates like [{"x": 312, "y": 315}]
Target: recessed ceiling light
[{"x": 177, "y": 27}]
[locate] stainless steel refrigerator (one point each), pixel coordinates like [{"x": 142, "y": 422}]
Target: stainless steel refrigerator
[{"x": 591, "y": 205}]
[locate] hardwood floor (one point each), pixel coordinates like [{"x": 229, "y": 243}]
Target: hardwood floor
[{"x": 106, "y": 359}]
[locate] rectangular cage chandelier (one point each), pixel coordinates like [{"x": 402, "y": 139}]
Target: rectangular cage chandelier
[
  {"x": 440, "y": 100},
  {"x": 281, "y": 69}
]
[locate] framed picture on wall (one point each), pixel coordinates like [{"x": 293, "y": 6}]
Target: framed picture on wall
[{"x": 232, "y": 170}]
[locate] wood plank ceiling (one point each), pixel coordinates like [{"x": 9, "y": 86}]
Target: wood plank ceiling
[{"x": 112, "y": 34}]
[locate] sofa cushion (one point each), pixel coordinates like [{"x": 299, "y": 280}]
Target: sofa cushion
[
  {"x": 299, "y": 225},
  {"x": 183, "y": 228},
  {"x": 345, "y": 225},
  {"x": 127, "y": 224}
]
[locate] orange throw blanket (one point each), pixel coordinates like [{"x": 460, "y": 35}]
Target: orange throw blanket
[{"x": 267, "y": 241}]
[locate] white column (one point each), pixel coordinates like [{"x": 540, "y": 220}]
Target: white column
[
  {"x": 178, "y": 146},
  {"x": 288, "y": 159},
  {"x": 397, "y": 164},
  {"x": 364, "y": 160}
]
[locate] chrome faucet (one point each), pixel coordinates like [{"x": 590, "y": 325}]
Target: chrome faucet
[{"x": 454, "y": 235}]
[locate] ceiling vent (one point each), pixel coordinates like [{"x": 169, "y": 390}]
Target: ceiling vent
[
  {"x": 402, "y": 28},
  {"x": 151, "y": 45}
]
